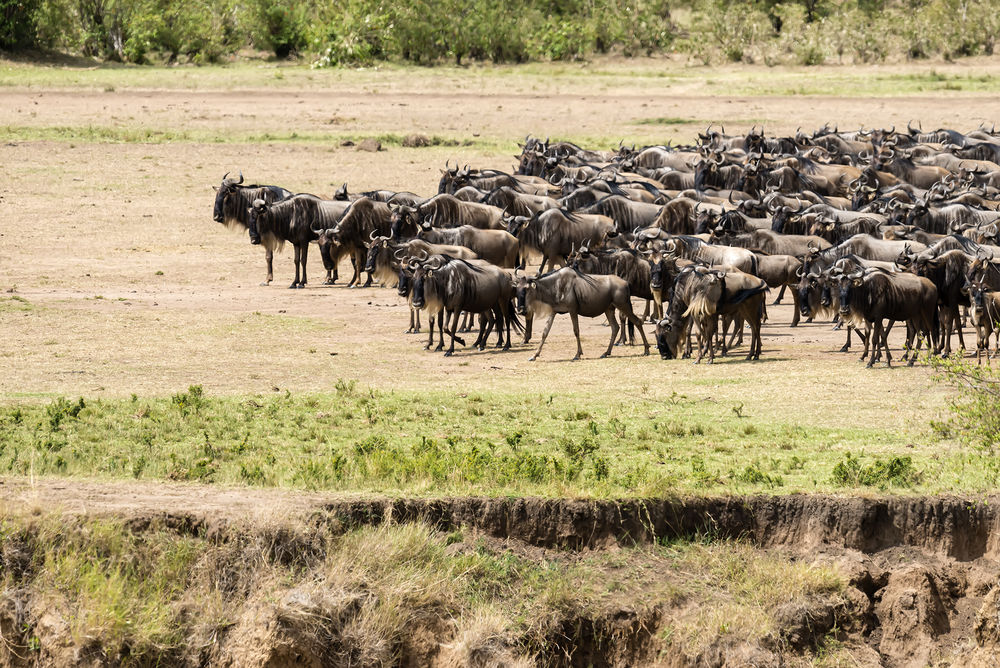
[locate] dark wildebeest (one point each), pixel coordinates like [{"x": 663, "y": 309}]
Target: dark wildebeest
[
  {"x": 443, "y": 283},
  {"x": 567, "y": 290},
  {"x": 985, "y": 312},
  {"x": 298, "y": 220},
  {"x": 876, "y": 295},
  {"x": 364, "y": 219},
  {"x": 386, "y": 260},
  {"x": 628, "y": 215},
  {"x": 232, "y": 207},
  {"x": 496, "y": 246},
  {"x": 704, "y": 293},
  {"x": 554, "y": 234},
  {"x": 625, "y": 263},
  {"x": 443, "y": 211}
]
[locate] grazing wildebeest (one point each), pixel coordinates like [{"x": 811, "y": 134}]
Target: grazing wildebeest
[
  {"x": 297, "y": 220},
  {"x": 567, "y": 290},
  {"x": 232, "y": 208},
  {"x": 703, "y": 293}
]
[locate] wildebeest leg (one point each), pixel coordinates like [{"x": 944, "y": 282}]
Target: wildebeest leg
[
  {"x": 269, "y": 259},
  {"x": 443, "y": 317},
  {"x": 527, "y": 328},
  {"x": 781, "y": 293},
  {"x": 545, "y": 333},
  {"x": 610, "y": 313},
  {"x": 454, "y": 329},
  {"x": 298, "y": 256},
  {"x": 876, "y": 338},
  {"x": 958, "y": 326},
  {"x": 796, "y": 306},
  {"x": 414, "y": 321},
  {"x": 541, "y": 267},
  {"x": 638, "y": 323},
  {"x": 430, "y": 338}
]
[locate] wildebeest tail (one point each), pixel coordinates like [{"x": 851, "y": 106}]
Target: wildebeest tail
[{"x": 514, "y": 320}]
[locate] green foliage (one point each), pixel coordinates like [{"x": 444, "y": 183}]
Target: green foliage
[
  {"x": 881, "y": 473},
  {"x": 278, "y": 25},
  {"x": 17, "y": 23},
  {"x": 975, "y": 408}
]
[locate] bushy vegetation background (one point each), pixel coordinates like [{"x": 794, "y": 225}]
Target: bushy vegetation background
[{"x": 359, "y": 32}]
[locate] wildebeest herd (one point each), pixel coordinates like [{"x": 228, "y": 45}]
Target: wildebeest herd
[{"x": 866, "y": 228}]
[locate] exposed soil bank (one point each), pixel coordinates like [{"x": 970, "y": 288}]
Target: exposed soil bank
[
  {"x": 920, "y": 577},
  {"x": 959, "y": 528}
]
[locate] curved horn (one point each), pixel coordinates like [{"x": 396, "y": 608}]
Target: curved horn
[
  {"x": 241, "y": 178},
  {"x": 371, "y": 237}
]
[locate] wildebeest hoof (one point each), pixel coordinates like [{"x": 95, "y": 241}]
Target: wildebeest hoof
[
  {"x": 845, "y": 349},
  {"x": 447, "y": 353},
  {"x": 794, "y": 324},
  {"x": 329, "y": 281},
  {"x": 293, "y": 286},
  {"x": 264, "y": 284},
  {"x": 533, "y": 358}
]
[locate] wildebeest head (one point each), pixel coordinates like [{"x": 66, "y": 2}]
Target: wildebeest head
[
  {"x": 258, "y": 213},
  {"x": 668, "y": 336},
  {"x": 404, "y": 218},
  {"x": 517, "y": 224},
  {"x": 223, "y": 196},
  {"x": 918, "y": 211},
  {"x": 377, "y": 246},
  {"x": 846, "y": 283},
  {"x": 421, "y": 272},
  {"x": 341, "y": 193},
  {"x": 522, "y": 286},
  {"x": 809, "y": 290}
]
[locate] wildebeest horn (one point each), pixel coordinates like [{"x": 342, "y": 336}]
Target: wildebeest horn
[
  {"x": 400, "y": 252},
  {"x": 241, "y": 178},
  {"x": 371, "y": 237}
]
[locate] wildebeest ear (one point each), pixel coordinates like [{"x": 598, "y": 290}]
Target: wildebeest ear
[{"x": 215, "y": 188}]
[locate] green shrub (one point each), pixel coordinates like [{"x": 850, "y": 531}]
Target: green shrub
[
  {"x": 975, "y": 408},
  {"x": 881, "y": 473},
  {"x": 17, "y": 23}
]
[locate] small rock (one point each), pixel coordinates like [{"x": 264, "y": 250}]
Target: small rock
[
  {"x": 347, "y": 142},
  {"x": 370, "y": 145}
]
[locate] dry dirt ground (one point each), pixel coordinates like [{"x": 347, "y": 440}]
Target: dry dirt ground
[{"x": 132, "y": 288}]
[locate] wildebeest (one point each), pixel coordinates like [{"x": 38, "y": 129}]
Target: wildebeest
[
  {"x": 443, "y": 283},
  {"x": 297, "y": 220},
  {"x": 876, "y": 295},
  {"x": 232, "y": 208},
  {"x": 704, "y": 293},
  {"x": 554, "y": 233},
  {"x": 443, "y": 210},
  {"x": 496, "y": 246},
  {"x": 985, "y": 311},
  {"x": 567, "y": 290}
]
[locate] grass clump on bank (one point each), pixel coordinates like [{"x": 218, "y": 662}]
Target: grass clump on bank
[
  {"x": 162, "y": 590},
  {"x": 445, "y": 443}
]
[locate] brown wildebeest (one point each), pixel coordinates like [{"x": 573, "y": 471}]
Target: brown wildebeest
[
  {"x": 232, "y": 208},
  {"x": 567, "y": 290}
]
